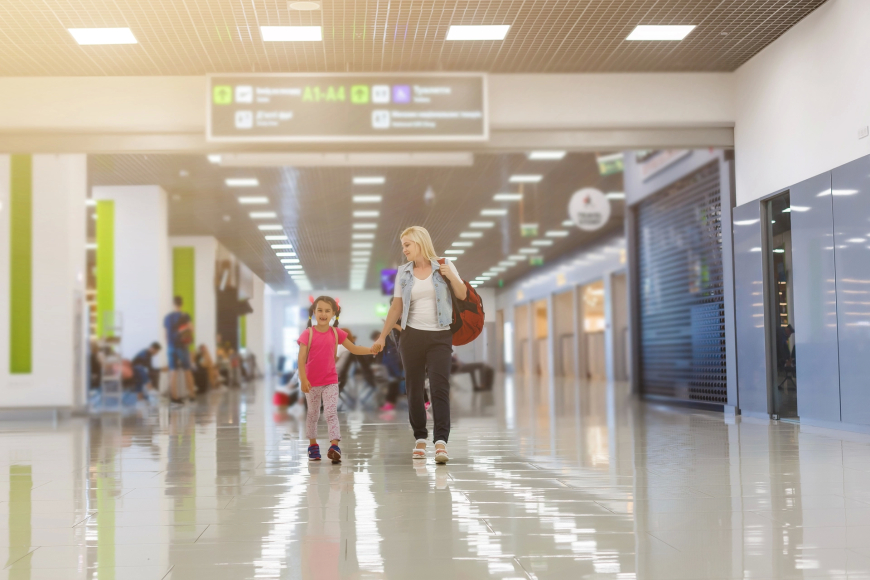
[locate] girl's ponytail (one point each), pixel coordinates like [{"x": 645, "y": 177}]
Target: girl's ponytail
[
  {"x": 337, "y": 314},
  {"x": 311, "y": 313}
]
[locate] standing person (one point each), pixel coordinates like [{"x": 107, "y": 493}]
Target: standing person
[
  {"x": 423, "y": 302},
  {"x": 143, "y": 369},
  {"x": 179, "y": 331},
  {"x": 318, "y": 377}
]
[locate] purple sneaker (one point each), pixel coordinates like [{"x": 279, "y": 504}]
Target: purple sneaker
[
  {"x": 334, "y": 453},
  {"x": 314, "y": 452}
]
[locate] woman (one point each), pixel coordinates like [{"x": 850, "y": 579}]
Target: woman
[{"x": 422, "y": 301}]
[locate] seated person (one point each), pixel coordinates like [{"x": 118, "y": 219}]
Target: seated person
[
  {"x": 473, "y": 369},
  {"x": 144, "y": 373},
  {"x": 205, "y": 375}
]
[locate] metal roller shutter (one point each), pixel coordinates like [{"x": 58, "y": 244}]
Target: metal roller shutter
[{"x": 679, "y": 236}]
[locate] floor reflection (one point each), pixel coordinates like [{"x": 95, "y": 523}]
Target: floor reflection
[{"x": 550, "y": 479}]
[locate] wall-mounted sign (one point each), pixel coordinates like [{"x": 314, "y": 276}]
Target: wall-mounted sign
[
  {"x": 536, "y": 261},
  {"x": 529, "y": 230},
  {"x": 589, "y": 209},
  {"x": 610, "y": 164},
  {"x": 347, "y": 107}
]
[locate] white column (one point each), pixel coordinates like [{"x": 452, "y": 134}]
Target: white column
[
  {"x": 143, "y": 270},
  {"x": 205, "y": 296},
  {"x": 256, "y": 324}
]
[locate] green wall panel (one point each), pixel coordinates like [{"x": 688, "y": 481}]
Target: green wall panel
[
  {"x": 105, "y": 261},
  {"x": 21, "y": 261},
  {"x": 184, "y": 280}
]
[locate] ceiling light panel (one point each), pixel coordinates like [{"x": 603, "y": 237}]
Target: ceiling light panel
[
  {"x": 282, "y": 246},
  {"x": 92, "y": 36},
  {"x": 494, "y": 212},
  {"x": 526, "y": 178},
  {"x": 276, "y": 238},
  {"x": 547, "y": 155},
  {"x": 369, "y": 180},
  {"x": 253, "y": 199},
  {"x": 242, "y": 181},
  {"x": 363, "y": 236},
  {"x": 542, "y": 242},
  {"x": 366, "y": 214},
  {"x": 365, "y": 226},
  {"x": 454, "y": 252},
  {"x": 557, "y": 234},
  {"x": 361, "y": 245},
  {"x": 367, "y": 198},
  {"x": 471, "y": 235},
  {"x": 508, "y": 197},
  {"x": 263, "y": 215},
  {"x": 462, "y": 244},
  {"x": 270, "y": 227},
  {"x": 478, "y": 32},
  {"x": 667, "y": 32},
  {"x": 285, "y": 254},
  {"x": 291, "y": 33},
  {"x": 481, "y": 225}
]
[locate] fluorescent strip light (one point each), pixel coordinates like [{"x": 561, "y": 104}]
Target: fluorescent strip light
[
  {"x": 507, "y": 263},
  {"x": 615, "y": 195},
  {"x": 517, "y": 258},
  {"x": 494, "y": 212},
  {"x": 360, "y": 261},
  {"x": 462, "y": 244},
  {"x": 471, "y": 235},
  {"x": 214, "y": 158},
  {"x": 361, "y": 254},
  {"x": 276, "y": 238},
  {"x": 253, "y": 199},
  {"x": 367, "y": 198},
  {"x": 285, "y": 254},
  {"x": 90, "y": 202},
  {"x": 242, "y": 181},
  {"x": 291, "y": 268},
  {"x": 498, "y": 270},
  {"x": 366, "y": 214},
  {"x": 365, "y": 226},
  {"x": 529, "y": 250},
  {"x": 490, "y": 273},
  {"x": 547, "y": 155},
  {"x": 526, "y": 178},
  {"x": 270, "y": 227},
  {"x": 282, "y": 246},
  {"x": 363, "y": 236},
  {"x": 89, "y": 36},
  {"x": 291, "y": 33},
  {"x": 478, "y": 32},
  {"x": 481, "y": 224},
  {"x": 483, "y": 278},
  {"x": 454, "y": 252},
  {"x": 361, "y": 245},
  {"x": 508, "y": 197},
  {"x": 667, "y": 32},
  {"x": 290, "y": 261},
  {"x": 567, "y": 224},
  {"x": 557, "y": 234},
  {"x": 369, "y": 180},
  {"x": 542, "y": 243},
  {"x": 262, "y": 215}
]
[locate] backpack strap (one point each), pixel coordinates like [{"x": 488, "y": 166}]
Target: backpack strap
[
  {"x": 311, "y": 338},
  {"x": 335, "y": 332}
]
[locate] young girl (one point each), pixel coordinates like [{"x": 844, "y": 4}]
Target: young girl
[{"x": 317, "y": 374}]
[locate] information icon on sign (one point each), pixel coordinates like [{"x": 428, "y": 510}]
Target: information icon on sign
[
  {"x": 244, "y": 119},
  {"x": 380, "y": 119},
  {"x": 381, "y": 94},
  {"x": 244, "y": 94}
]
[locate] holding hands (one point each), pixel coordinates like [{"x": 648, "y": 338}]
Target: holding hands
[{"x": 378, "y": 346}]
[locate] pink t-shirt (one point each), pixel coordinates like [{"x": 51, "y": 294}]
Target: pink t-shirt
[{"x": 320, "y": 366}]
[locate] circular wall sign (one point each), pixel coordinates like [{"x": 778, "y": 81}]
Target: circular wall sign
[{"x": 589, "y": 209}]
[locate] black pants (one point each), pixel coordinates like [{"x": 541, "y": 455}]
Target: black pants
[{"x": 428, "y": 352}]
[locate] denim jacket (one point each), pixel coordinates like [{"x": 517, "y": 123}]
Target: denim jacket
[{"x": 443, "y": 301}]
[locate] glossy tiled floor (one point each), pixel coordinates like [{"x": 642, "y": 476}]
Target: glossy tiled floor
[{"x": 548, "y": 481}]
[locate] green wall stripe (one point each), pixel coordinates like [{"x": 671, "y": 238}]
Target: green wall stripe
[
  {"x": 184, "y": 280},
  {"x": 243, "y": 332},
  {"x": 21, "y": 261},
  {"x": 105, "y": 261}
]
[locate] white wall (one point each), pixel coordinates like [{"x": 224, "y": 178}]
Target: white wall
[
  {"x": 143, "y": 270},
  {"x": 256, "y": 323},
  {"x": 58, "y": 377},
  {"x": 801, "y": 101},
  {"x": 205, "y": 256}
]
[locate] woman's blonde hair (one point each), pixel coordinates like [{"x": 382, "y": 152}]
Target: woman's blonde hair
[{"x": 422, "y": 238}]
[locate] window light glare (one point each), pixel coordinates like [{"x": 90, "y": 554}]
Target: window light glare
[
  {"x": 481, "y": 225},
  {"x": 478, "y": 32},
  {"x": 547, "y": 155},
  {"x": 369, "y": 180},
  {"x": 291, "y": 33},
  {"x": 667, "y": 32},
  {"x": 242, "y": 182},
  {"x": 526, "y": 178},
  {"x": 254, "y": 199},
  {"x": 508, "y": 197},
  {"x": 367, "y": 198},
  {"x": 494, "y": 212},
  {"x": 90, "y": 36},
  {"x": 366, "y": 214},
  {"x": 262, "y": 215}
]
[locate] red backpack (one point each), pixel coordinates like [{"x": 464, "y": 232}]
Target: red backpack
[{"x": 468, "y": 316}]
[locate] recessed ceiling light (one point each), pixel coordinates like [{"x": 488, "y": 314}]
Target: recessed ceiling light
[
  {"x": 276, "y": 238},
  {"x": 369, "y": 180},
  {"x": 254, "y": 199},
  {"x": 262, "y": 215},
  {"x": 365, "y": 226},
  {"x": 516, "y": 257},
  {"x": 242, "y": 181},
  {"x": 285, "y": 254},
  {"x": 567, "y": 224},
  {"x": 361, "y": 254},
  {"x": 471, "y": 235},
  {"x": 508, "y": 197},
  {"x": 270, "y": 227},
  {"x": 494, "y": 212},
  {"x": 291, "y": 33},
  {"x": 529, "y": 251},
  {"x": 481, "y": 224},
  {"x": 88, "y": 36},
  {"x": 668, "y": 32},
  {"x": 547, "y": 155},
  {"x": 462, "y": 244},
  {"x": 557, "y": 234},
  {"x": 478, "y": 32},
  {"x": 363, "y": 236},
  {"x": 483, "y": 278},
  {"x": 213, "y": 158},
  {"x": 498, "y": 270},
  {"x": 542, "y": 243},
  {"x": 366, "y": 214},
  {"x": 454, "y": 252},
  {"x": 303, "y": 5},
  {"x": 361, "y": 245},
  {"x": 359, "y": 261},
  {"x": 367, "y": 198},
  {"x": 292, "y": 267},
  {"x": 615, "y": 195},
  {"x": 290, "y": 261},
  {"x": 507, "y": 263},
  {"x": 526, "y": 178},
  {"x": 282, "y": 246}
]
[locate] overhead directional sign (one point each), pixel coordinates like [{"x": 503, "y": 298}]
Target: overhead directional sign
[{"x": 347, "y": 107}]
